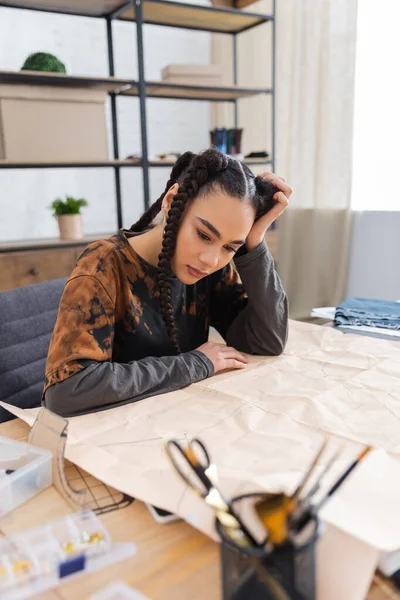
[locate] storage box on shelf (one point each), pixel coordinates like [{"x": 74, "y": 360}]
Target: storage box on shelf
[
  {"x": 45, "y": 123},
  {"x": 192, "y": 74}
]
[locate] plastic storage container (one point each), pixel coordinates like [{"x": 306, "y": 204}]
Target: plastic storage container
[
  {"x": 25, "y": 470},
  {"x": 38, "y": 559}
]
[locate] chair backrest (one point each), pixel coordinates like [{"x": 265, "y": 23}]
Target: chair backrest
[{"x": 27, "y": 317}]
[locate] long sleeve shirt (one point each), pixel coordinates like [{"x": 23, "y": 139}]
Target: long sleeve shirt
[{"x": 110, "y": 345}]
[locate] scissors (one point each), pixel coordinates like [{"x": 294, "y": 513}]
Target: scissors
[
  {"x": 196, "y": 457},
  {"x": 201, "y": 476}
]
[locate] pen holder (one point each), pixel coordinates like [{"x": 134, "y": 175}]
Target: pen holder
[{"x": 286, "y": 572}]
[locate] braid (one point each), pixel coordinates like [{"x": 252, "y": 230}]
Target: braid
[
  {"x": 181, "y": 164},
  {"x": 201, "y": 168},
  {"x": 150, "y": 214},
  {"x": 204, "y": 174}
]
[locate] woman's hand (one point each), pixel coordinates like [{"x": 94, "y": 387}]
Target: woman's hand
[
  {"x": 258, "y": 231},
  {"x": 223, "y": 357}
]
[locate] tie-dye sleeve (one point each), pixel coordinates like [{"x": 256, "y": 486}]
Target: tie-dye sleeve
[
  {"x": 84, "y": 329},
  {"x": 81, "y": 376}
]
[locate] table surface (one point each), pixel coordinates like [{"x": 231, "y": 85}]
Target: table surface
[{"x": 173, "y": 561}]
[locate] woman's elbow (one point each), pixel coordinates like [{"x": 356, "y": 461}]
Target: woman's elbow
[
  {"x": 275, "y": 344},
  {"x": 277, "y": 347},
  {"x": 54, "y": 400}
]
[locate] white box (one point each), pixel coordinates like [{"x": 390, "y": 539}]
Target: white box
[
  {"x": 208, "y": 71},
  {"x": 209, "y": 75},
  {"x": 46, "y": 124},
  {"x": 32, "y": 473}
]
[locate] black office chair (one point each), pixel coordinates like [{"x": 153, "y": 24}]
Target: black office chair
[{"x": 27, "y": 317}]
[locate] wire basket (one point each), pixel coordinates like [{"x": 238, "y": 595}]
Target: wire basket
[{"x": 101, "y": 497}]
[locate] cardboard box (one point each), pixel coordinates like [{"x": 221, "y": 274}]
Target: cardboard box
[
  {"x": 208, "y": 81},
  {"x": 45, "y": 123},
  {"x": 191, "y": 71},
  {"x": 209, "y": 75}
]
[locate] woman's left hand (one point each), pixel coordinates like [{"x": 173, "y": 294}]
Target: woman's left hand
[{"x": 258, "y": 231}]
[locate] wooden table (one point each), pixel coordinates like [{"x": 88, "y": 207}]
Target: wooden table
[{"x": 173, "y": 561}]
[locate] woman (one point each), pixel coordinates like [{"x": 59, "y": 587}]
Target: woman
[{"x": 135, "y": 314}]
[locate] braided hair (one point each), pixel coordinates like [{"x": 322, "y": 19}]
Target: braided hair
[
  {"x": 199, "y": 174},
  {"x": 181, "y": 164}
]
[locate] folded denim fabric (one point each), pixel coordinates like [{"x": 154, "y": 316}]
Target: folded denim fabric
[{"x": 371, "y": 313}]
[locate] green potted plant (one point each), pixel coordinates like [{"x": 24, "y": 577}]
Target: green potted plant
[
  {"x": 43, "y": 61},
  {"x": 68, "y": 214}
]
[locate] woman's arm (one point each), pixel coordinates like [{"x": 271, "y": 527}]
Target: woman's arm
[
  {"x": 101, "y": 385},
  {"x": 254, "y": 317},
  {"x": 251, "y": 312},
  {"x": 80, "y": 374}
]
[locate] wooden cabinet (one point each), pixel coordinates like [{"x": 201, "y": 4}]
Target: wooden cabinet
[
  {"x": 23, "y": 268},
  {"x": 31, "y": 262}
]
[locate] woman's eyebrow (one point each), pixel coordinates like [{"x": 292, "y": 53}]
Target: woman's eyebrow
[{"x": 215, "y": 231}]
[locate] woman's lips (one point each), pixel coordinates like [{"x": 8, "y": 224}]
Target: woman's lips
[{"x": 196, "y": 273}]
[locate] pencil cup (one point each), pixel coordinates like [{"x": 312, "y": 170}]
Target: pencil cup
[{"x": 286, "y": 572}]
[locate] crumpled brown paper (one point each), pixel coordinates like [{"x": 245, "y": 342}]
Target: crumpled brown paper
[{"x": 262, "y": 426}]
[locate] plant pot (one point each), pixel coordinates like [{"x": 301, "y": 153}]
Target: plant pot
[{"x": 70, "y": 227}]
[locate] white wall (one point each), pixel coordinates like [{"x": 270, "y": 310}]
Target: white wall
[
  {"x": 374, "y": 258},
  {"x": 376, "y": 107},
  {"x": 173, "y": 125}
]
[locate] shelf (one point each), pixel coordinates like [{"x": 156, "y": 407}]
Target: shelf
[
  {"x": 108, "y": 84},
  {"x": 157, "y": 12},
  {"x": 160, "y": 89},
  {"x": 45, "y": 243},
  {"x": 247, "y": 161},
  {"x": 192, "y": 16},
  {"x": 257, "y": 161},
  {"x": 127, "y": 87},
  {"x": 85, "y": 8},
  {"x": 12, "y": 164}
]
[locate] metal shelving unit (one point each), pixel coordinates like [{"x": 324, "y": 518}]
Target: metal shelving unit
[{"x": 156, "y": 12}]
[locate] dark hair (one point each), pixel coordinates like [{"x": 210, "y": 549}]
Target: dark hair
[{"x": 200, "y": 174}]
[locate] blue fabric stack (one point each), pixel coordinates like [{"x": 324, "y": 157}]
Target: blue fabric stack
[{"x": 368, "y": 313}]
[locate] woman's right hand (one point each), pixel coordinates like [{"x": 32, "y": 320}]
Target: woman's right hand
[{"x": 223, "y": 357}]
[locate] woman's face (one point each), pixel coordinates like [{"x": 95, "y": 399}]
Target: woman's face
[{"x": 212, "y": 230}]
